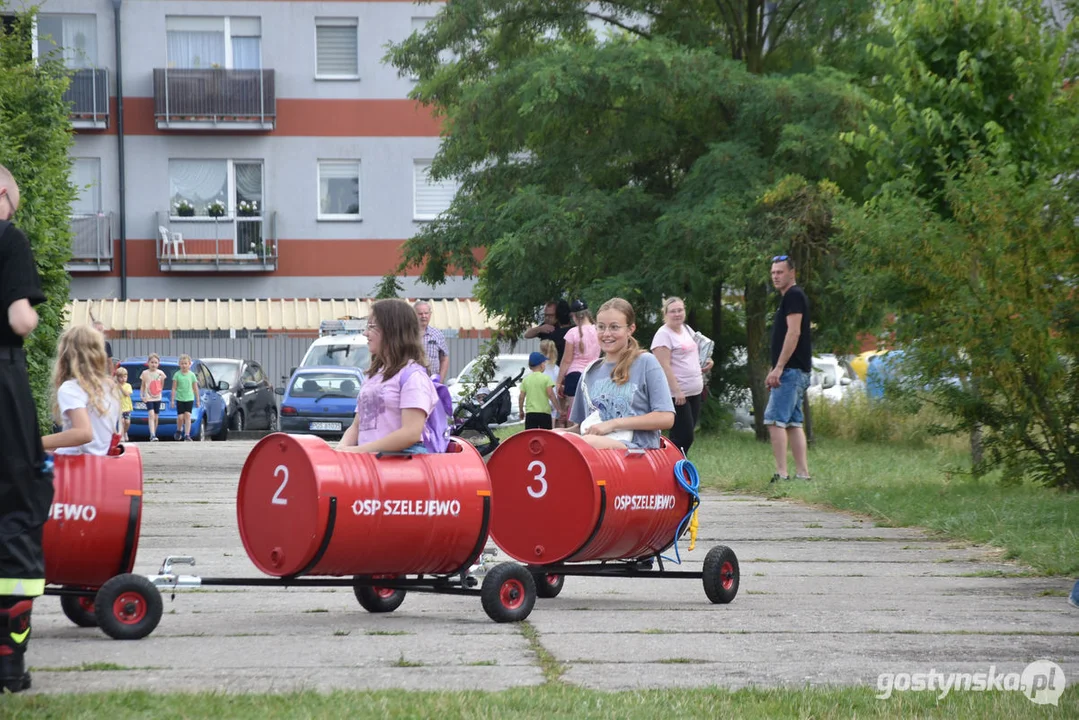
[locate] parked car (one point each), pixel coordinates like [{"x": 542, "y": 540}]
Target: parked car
[
  {"x": 320, "y": 400},
  {"x": 506, "y": 366},
  {"x": 249, "y": 399},
  {"x": 207, "y": 420},
  {"x": 832, "y": 378}
]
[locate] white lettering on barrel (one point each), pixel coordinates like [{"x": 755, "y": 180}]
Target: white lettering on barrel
[
  {"x": 277, "y": 499},
  {"x": 644, "y": 502},
  {"x": 539, "y": 477},
  {"x": 66, "y": 511},
  {"x": 400, "y": 508}
]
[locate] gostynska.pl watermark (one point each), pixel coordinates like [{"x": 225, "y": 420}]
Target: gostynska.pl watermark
[{"x": 1042, "y": 682}]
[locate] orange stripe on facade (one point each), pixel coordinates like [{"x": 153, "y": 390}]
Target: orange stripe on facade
[{"x": 301, "y": 117}]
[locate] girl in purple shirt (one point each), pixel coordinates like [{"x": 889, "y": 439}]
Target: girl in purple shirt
[{"x": 394, "y": 400}]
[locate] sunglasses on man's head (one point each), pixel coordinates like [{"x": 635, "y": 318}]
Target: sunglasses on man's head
[{"x": 781, "y": 258}]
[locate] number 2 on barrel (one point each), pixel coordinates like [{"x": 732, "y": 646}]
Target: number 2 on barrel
[
  {"x": 539, "y": 476},
  {"x": 277, "y": 499}
]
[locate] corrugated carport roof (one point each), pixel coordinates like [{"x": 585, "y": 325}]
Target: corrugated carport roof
[{"x": 272, "y": 314}]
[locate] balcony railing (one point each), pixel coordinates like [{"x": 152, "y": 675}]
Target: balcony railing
[
  {"x": 225, "y": 244},
  {"x": 88, "y": 95},
  {"x": 91, "y": 243},
  {"x": 214, "y": 99}
]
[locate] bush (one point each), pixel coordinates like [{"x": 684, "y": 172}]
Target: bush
[
  {"x": 885, "y": 421},
  {"x": 35, "y": 135}
]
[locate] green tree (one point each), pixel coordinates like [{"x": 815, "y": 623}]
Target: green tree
[
  {"x": 388, "y": 287},
  {"x": 632, "y": 163},
  {"x": 979, "y": 114},
  {"x": 35, "y": 135}
]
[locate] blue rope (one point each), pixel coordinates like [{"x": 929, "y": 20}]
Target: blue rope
[{"x": 685, "y": 473}]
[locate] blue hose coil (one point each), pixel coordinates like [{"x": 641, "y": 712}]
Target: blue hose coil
[{"x": 685, "y": 473}]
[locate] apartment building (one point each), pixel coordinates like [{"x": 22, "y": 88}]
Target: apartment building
[{"x": 267, "y": 150}]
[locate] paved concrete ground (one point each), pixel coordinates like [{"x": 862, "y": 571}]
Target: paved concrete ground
[{"x": 825, "y": 598}]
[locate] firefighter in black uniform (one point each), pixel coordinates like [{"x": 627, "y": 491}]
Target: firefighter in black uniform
[{"x": 25, "y": 480}]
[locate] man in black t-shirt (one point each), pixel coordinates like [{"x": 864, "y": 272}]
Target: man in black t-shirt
[
  {"x": 556, "y": 323},
  {"x": 792, "y": 362},
  {"x": 25, "y": 483}
]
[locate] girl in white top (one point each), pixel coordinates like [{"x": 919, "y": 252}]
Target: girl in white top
[{"x": 87, "y": 400}]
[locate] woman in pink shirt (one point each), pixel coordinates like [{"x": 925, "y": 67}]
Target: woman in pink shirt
[
  {"x": 582, "y": 349},
  {"x": 397, "y": 395},
  {"x": 674, "y": 347}
]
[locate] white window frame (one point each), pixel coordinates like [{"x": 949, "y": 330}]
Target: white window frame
[
  {"x": 352, "y": 22},
  {"x": 230, "y": 189},
  {"x": 227, "y": 25},
  {"x": 338, "y": 217},
  {"x": 56, "y": 41},
  {"x": 417, "y": 164},
  {"x": 95, "y": 187}
]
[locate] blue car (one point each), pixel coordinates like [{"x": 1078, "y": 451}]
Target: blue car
[
  {"x": 207, "y": 420},
  {"x": 320, "y": 400}
]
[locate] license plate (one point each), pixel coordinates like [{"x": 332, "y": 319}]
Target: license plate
[
  {"x": 140, "y": 406},
  {"x": 326, "y": 426}
]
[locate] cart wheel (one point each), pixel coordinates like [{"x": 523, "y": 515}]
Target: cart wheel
[
  {"x": 128, "y": 607},
  {"x": 379, "y": 599},
  {"x": 79, "y": 609},
  {"x": 548, "y": 585},
  {"x": 508, "y": 593},
  {"x": 720, "y": 575}
]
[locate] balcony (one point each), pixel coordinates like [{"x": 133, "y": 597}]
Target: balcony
[
  {"x": 214, "y": 99},
  {"x": 225, "y": 244},
  {"x": 88, "y": 95},
  {"x": 91, "y": 243}
]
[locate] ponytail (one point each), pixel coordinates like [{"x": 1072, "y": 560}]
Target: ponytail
[{"x": 620, "y": 375}]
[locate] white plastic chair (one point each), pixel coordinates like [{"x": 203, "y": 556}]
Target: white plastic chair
[{"x": 171, "y": 241}]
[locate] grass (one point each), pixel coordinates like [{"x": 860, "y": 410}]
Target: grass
[
  {"x": 90, "y": 667},
  {"x": 552, "y": 700},
  {"x": 553, "y": 670},
  {"x": 901, "y": 485},
  {"x": 388, "y": 632},
  {"x": 401, "y": 662}
]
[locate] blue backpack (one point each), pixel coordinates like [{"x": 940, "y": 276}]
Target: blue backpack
[{"x": 436, "y": 431}]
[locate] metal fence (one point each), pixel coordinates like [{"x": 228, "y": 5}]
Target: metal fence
[
  {"x": 91, "y": 239},
  {"x": 215, "y": 94},
  {"x": 277, "y": 354},
  {"x": 88, "y": 95}
]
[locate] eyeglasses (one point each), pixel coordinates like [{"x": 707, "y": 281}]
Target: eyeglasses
[
  {"x": 781, "y": 258},
  {"x": 609, "y": 328},
  {"x": 371, "y": 327}
]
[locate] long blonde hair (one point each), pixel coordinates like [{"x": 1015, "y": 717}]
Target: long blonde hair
[
  {"x": 80, "y": 356},
  {"x": 550, "y": 350},
  {"x": 620, "y": 375}
]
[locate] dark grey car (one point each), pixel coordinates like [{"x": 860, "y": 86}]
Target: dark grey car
[{"x": 249, "y": 396}]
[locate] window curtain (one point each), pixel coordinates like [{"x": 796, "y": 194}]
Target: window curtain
[
  {"x": 200, "y": 182},
  {"x": 191, "y": 49},
  {"x": 339, "y": 188},
  {"x": 247, "y": 53},
  {"x": 249, "y": 183},
  {"x": 79, "y": 41},
  {"x": 86, "y": 177}
]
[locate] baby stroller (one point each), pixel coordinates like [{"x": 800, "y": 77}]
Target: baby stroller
[{"x": 472, "y": 421}]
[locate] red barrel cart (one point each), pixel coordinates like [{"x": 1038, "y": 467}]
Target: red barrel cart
[
  {"x": 90, "y": 540},
  {"x": 389, "y": 522},
  {"x": 565, "y": 508}
]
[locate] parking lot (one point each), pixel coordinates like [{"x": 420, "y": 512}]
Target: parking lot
[{"x": 825, "y": 598}]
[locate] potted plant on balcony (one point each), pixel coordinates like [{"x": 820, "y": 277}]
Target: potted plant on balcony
[
  {"x": 216, "y": 209},
  {"x": 248, "y": 208},
  {"x": 183, "y": 208}
]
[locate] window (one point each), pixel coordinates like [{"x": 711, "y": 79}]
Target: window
[
  {"x": 430, "y": 197},
  {"x": 339, "y": 189},
  {"x": 337, "y": 48},
  {"x": 71, "y": 38},
  {"x": 200, "y": 183},
  {"x": 214, "y": 42},
  {"x": 86, "y": 177}
]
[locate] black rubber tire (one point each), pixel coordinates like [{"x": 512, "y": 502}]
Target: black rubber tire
[
  {"x": 273, "y": 427},
  {"x": 236, "y": 422},
  {"x": 128, "y": 607},
  {"x": 547, "y": 588},
  {"x": 378, "y": 600},
  {"x": 201, "y": 435},
  {"x": 721, "y": 575},
  {"x": 508, "y": 593},
  {"x": 74, "y": 607}
]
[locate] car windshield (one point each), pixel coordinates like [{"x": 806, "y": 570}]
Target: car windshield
[
  {"x": 316, "y": 385},
  {"x": 225, "y": 370},
  {"x": 342, "y": 355},
  {"x": 134, "y": 374},
  {"x": 504, "y": 367}
]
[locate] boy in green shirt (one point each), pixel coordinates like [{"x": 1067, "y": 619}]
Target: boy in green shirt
[
  {"x": 184, "y": 397},
  {"x": 537, "y": 394}
]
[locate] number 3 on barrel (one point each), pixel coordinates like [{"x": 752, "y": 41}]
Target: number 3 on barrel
[
  {"x": 541, "y": 471},
  {"x": 277, "y": 499}
]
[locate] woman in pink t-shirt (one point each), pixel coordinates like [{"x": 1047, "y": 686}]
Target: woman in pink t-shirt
[
  {"x": 674, "y": 347},
  {"x": 395, "y": 399},
  {"x": 582, "y": 349}
]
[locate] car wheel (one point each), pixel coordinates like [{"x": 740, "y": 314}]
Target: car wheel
[
  {"x": 201, "y": 434},
  {"x": 272, "y": 427},
  {"x": 237, "y": 421}
]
